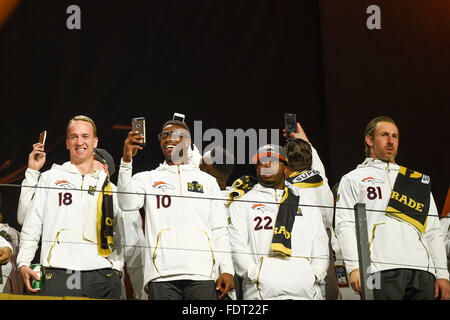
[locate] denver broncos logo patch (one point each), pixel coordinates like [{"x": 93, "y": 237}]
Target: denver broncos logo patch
[
  {"x": 65, "y": 184},
  {"x": 372, "y": 180},
  {"x": 262, "y": 208},
  {"x": 162, "y": 185}
]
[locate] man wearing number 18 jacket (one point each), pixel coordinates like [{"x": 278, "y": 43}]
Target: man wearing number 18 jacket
[
  {"x": 76, "y": 223},
  {"x": 187, "y": 242}
]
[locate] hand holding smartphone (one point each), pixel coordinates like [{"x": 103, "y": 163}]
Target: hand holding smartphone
[
  {"x": 37, "y": 157},
  {"x": 293, "y": 129},
  {"x": 134, "y": 141}
]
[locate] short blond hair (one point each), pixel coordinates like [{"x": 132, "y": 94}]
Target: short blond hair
[
  {"x": 82, "y": 118},
  {"x": 371, "y": 127}
]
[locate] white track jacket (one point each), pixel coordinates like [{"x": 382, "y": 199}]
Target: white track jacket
[
  {"x": 27, "y": 193},
  {"x": 392, "y": 243},
  {"x": 185, "y": 225},
  {"x": 6, "y": 268},
  {"x": 5, "y": 243},
  {"x": 62, "y": 203},
  {"x": 251, "y": 230},
  {"x": 128, "y": 229}
]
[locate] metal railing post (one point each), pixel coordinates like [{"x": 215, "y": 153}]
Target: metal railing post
[{"x": 363, "y": 250}]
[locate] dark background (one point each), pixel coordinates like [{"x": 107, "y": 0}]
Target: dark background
[{"x": 231, "y": 64}]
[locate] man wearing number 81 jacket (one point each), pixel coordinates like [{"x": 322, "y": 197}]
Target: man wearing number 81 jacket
[
  {"x": 405, "y": 245},
  {"x": 187, "y": 242}
]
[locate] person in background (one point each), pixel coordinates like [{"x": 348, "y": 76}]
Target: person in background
[
  {"x": 445, "y": 224},
  {"x": 219, "y": 163},
  {"x": 6, "y": 252},
  {"x": 10, "y": 281},
  {"x": 305, "y": 171},
  {"x": 130, "y": 232}
]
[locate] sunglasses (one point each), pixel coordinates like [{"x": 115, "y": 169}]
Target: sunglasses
[
  {"x": 174, "y": 135},
  {"x": 267, "y": 160}
]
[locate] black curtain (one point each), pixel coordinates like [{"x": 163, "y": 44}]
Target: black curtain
[{"x": 231, "y": 64}]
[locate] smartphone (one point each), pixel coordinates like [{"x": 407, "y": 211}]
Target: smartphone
[
  {"x": 42, "y": 137},
  {"x": 138, "y": 124},
  {"x": 290, "y": 123},
  {"x": 178, "y": 117}
]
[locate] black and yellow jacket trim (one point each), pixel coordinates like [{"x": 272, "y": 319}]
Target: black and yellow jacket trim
[
  {"x": 309, "y": 178},
  {"x": 282, "y": 235},
  {"x": 240, "y": 187},
  {"x": 105, "y": 220},
  {"x": 410, "y": 198}
]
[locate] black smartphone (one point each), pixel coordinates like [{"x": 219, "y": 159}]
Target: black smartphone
[
  {"x": 290, "y": 123},
  {"x": 178, "y": 117},
  {"x": 138, "y": 124}
]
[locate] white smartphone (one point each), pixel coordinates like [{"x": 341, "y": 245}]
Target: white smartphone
[
  {"x": 43, "y": 137},
  {"x": 178, "y": 117}
]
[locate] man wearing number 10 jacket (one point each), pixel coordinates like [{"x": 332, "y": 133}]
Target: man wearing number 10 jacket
[{"x": 187, "y": 254}]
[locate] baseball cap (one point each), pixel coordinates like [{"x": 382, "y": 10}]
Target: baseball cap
[
  {"x": 104, "y": 157},
  {"x": 270, "y": 150}
]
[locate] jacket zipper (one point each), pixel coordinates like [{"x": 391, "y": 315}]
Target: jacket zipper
[
  {"x": 387, "y": 170},
  {"x": 261, "y": 259},
  {"x": 82, "y": 183},
  {"x": 179, "y": 179}
]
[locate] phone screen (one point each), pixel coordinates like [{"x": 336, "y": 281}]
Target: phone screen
[
  {"x": 290, "y": 120},
  {"x": 42, "y": 137},
  {"x": 138, "y": 124}
]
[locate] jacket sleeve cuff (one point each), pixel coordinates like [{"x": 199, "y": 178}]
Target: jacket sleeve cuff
[
  {"x": 227, "y": 269},
  {"x": 126, "y": 165}
]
